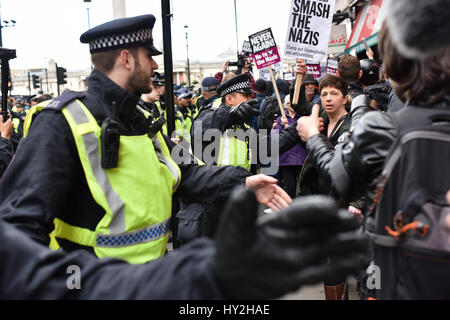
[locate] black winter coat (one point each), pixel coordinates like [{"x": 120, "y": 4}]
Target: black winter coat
[
  {"x": 29, "y": 270},
  {"x": 310, "y": 180}
]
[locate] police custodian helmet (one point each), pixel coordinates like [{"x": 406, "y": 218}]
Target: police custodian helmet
[
  {"x": 122, "y": 33},
  {"x": 240, "y": 83}
]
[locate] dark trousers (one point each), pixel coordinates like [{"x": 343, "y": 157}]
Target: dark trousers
[{"x": 289, "y": 179}]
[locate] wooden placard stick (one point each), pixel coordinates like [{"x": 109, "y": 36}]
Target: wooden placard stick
[
  {"x": 280, "y": 104},
  {"x": 298, "y": 84}
]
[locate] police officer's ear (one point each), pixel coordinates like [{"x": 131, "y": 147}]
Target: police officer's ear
[
  {"x": 229, "y": 99},
  {"x": 360, "y": 74},
  {"x": 127, "y": 59}
]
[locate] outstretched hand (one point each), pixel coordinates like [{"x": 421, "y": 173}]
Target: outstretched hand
[
  {"x": 277, "y": 254},
  {"x": 267, "y": 191}
]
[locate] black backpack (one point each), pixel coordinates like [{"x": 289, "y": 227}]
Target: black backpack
[
  {"x": 270, "y": 113},
  {"x": 406, "y": 220}
]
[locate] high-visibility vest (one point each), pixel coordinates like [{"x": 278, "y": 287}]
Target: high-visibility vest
[
  {"x": 136, "y": 196},
  {"x": 183, "y": 126},
  {"x": 163, "y": 113},
  {"x": 234, "y": 152},
  {"x": 16, "y": 123}
]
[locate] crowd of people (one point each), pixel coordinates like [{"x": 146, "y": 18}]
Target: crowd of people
[{"x": 360, "y": 179}]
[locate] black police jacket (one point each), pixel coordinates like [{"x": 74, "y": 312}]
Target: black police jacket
[
  {"x": 46, "y": 179},
  {"x": 6, "y": 154},
  {"x": 29, "y": 270}
]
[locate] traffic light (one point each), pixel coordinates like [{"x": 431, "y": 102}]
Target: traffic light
[
  {"x": 36, "y": 81},
  {"x": 61, "y": 75}
]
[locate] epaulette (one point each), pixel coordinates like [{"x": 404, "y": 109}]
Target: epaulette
[{"x": 64, "y": 99}]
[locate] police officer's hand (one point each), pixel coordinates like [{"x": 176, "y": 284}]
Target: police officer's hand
[
  {"x": 243, "y": 113},
  {"x": 279, "y": 253}
]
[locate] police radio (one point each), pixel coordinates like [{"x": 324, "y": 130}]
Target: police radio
[
  {"x": 110, "y": 138},
  {"x": 156, "y": 126}
]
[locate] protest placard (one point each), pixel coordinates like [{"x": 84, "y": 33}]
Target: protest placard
[
  {"x": 314, "y": 69},
  {"x": 246, "y": 49},
  {"x": 332, "y": 66},
  {"x": 265, "y": 54},
  {"x": 264, "y": 48},
  {"x": 308, "y": 32}
]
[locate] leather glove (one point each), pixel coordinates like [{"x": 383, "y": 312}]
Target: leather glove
[
  {"x": 277, "y": 254},
  {"x": 242, "y": 113}
]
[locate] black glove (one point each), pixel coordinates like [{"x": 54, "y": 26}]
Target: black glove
[
  {"x": 242, "y": 113},
  {"x": 284, "y": 251}
]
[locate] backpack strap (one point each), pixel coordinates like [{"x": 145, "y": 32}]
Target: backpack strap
[
  {"x": 382, "y": 240},
  {"x": 410, "y": 117}
]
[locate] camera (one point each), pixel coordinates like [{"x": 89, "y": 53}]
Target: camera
[{"x": 240, "y": 63}]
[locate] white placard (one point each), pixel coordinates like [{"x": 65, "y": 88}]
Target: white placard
[{"x": 309, "y": 28}]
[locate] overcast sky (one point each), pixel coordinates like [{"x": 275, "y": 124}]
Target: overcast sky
[{"x": 50, "y": 29}]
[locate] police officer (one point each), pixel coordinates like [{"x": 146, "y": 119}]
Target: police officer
[
  {"x": 248, "y": 260},
  {"x": 232, "y": 111},
  {"x": 183, "y": 121},
  {"x": 90, "y": 168},
  {"x": 209, "y": 92},
  {"x": 151, "y": 102}
]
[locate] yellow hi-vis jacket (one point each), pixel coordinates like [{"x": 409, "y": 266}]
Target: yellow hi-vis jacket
[
  {"x": 233, "y": 151},
  {"x": 136, "y": 196}
]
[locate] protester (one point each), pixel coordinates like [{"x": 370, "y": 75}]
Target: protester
[
  {"x": 355, "y": 167},
  {"x": 311, "y": 89},
  {"x": 291, "y": 161},
  {"x": 270, "y": 109}
]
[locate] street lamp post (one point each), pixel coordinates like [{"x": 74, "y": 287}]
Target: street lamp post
[
  {"x": 10, "y": 23},
  {"x": 187, "y": 57},
  {"x": 87, "y": 9},
  {"x": 7, "y": 24}
]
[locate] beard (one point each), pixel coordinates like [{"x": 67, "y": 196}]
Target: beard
[{"x": 139, "y": 82}]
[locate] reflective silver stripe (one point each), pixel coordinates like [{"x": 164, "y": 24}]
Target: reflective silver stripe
[
  {"x": 163, "y": 159},
  {"x": 116, "y": 205},
  {"x": 147, "y": 234},
  {"x": 225, "y": 150}
]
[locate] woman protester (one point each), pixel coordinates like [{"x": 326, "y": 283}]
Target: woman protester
[
  {"x": 417, "y": 61},
  {"x": 333, "y": 95}
]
